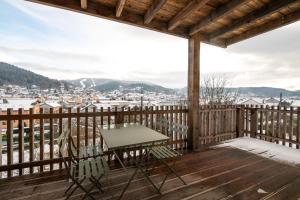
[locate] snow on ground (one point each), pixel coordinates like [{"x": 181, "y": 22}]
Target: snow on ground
[
  {"x": 266, "y": 149},
  {"x": 82, "y": 83},
  {"x": 93, "y": 83}
]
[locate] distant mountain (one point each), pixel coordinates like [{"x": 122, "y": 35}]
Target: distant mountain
[
  {"x": 258, "y": 91},
  {"x": 107, "y": 85},
  {"x": 13, "y": 75},
  {"x": 266, "y": 91}
]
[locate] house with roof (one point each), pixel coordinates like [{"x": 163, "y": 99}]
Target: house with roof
[
  {"x": 50, "y": 104},
  {"x": 251, "y": 102}
]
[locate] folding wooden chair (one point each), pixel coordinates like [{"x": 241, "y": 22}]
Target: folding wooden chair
[
  {"x": 79, "y": 170},
  {"x": 164, "y": 153}
]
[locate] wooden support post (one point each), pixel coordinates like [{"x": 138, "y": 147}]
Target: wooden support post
[
  {"x": 193, "y": 91},
  {"x": 253, "y": 122}
]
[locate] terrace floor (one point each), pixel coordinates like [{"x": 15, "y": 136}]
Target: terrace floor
[{"x": 221, "y": 173}]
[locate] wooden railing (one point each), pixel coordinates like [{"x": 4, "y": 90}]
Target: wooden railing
[
  {"x": 33, "y": 148},
  {"x": 218, "y": 123},
  {"x": 275, "y": 124}
]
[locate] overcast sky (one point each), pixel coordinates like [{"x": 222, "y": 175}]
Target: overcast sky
[{"x": 66, "y": 45}]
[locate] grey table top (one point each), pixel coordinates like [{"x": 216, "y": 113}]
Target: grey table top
[{"x": 127, "y": 135}]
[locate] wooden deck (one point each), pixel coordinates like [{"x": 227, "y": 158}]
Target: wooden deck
[{"x": 221, "y": 173}]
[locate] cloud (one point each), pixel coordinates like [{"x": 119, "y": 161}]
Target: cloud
[
  {"x": 69, "y": 45},
  {"x": 176, "y": 79},
  {"x": 42, "y": 69}
]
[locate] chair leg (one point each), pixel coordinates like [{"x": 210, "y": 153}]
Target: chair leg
[
  {"x": 78, "y": 185},
  {"x": 69, "y": 187},
  {"x": 148, "y": 178},
  {"x": 173, "y": 171},
  {"x": 163, "y": 182},
  {"x": 97, "y": 183},
  {"x": 128, "y": 183}
]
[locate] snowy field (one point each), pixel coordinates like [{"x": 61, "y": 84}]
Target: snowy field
[{"x": 266, "y": 149}]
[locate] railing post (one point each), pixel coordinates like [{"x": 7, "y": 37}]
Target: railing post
[
  {"x": 119, "y": 116},
  {"x": 10, "y": 141},
  {"x": 298, "y": 128},
  {"x": 253, "y": 122},
  {"x": 0, "y": 143},
  {"x": 21, "y": 140},
  {"x": 240, "y": 121}
]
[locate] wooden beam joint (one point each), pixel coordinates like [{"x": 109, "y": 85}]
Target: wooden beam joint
[
  {"x": 83, "y": 4},
  {"x": 120, "y": 7},
  {"x": 185, "y": 12},
  {"x": 217, "y": 14},
  {"x": 252, "y": 17},
  {"x": 153, "y": 10}
]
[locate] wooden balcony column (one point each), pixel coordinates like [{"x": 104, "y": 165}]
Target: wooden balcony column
[{"x": 193, "y": 90}]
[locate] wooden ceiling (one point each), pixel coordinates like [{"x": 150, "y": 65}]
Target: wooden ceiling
[{"x": 218, "y": 22}]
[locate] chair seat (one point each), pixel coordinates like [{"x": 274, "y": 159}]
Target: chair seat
[
  {"x": 93, "y": 167},
  {"x": 164, "y": 152}
]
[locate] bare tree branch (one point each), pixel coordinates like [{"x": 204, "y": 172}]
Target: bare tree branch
[{"x": 216, "y": 90}]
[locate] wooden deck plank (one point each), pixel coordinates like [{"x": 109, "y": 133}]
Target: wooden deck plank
[
  {"x": 221, "y": 173},
  {"x": 246, "y": 181},
  {"x": 202, "y": 162},
  {"x": 35, "y": 179},
  {"x": 287, "y": 191},
  {"x": 275, "y": 183},
  {"x": 190, "y": 177},
  {"x": 202, "y": 184}
]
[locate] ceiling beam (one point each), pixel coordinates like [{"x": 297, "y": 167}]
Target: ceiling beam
[
  {"x": 153, "y": 10},
  {"x": 252, "y": 17},
  {"x": 193, "y": 6},
  {"x": 119, "y": 8},
  {"x": 269, "y": 26},
  {"x": 217, "y": 14},
  {"x": 97, "y": 9},
  {"x": 83, "y": 4}
]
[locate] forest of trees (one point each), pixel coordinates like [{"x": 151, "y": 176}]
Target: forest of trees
[{"x": 10, "y": 74}]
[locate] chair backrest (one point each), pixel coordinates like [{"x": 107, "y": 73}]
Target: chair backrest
[
  {"x": 164, "y": 123},
  {"x": 62, "y": 141}
]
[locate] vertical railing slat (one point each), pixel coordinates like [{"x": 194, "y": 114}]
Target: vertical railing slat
[
  {"x": 272, "y": 123},
  {"x": 86, "y": 128},
  {"x": 31, "y": 138},
  {"x": 291, "y": 125},
  {"x": 284, "y": 128},
  {"x": 94, "y": 125},
  {"x": 78, "y": 131},
  {"x": 9, "y": 132},
  {"x": 60, "y": 131},
  {"x": 51, "y": 142},
  {"x": 151, "y": 117},
  {"x": 101, "y": 123},
  {"x": 267, "y": 123},
  {"x": 1, "y": 143},
  {"x": 278, "y": 121},
  {"x": 42, "y": 139},
  {"x": 298, "y": 128},
  {"x": 21, "y": 140}
]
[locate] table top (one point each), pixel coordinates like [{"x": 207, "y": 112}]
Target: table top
[{"x": 127, "y": 135}]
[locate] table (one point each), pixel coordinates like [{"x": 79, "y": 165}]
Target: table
[{"x": 122, "y": 136}]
